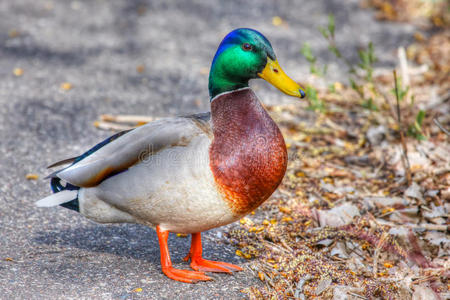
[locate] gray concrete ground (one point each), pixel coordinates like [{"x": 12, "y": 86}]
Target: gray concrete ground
[{"x": 96, "y": 46}]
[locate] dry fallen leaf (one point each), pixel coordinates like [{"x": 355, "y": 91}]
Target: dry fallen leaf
[
  {"x": 338, "y": 216},
  {"x": 13, "y": 33},
  {"x": 18, "y": 72},
  {"x": 31, "y": 176},
  {"x": 277, "y": 21},
  {"x": 140, "y": 68},
  {"x": 66, "y": 86}
]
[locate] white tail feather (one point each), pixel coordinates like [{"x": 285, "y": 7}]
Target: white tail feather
[{"x": 57, "y": 198}]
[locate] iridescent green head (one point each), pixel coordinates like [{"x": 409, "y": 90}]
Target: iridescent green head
[{"x": 245, "y": 54}]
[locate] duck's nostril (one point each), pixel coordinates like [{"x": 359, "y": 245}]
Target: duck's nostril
[
  {"x": 302, "y": 93},
  {"x": 275, "y": 70}
]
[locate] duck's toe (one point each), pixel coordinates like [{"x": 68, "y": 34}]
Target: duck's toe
[
  {"x": 185, "y": 275},
  {"x": 204, "y": 265}
]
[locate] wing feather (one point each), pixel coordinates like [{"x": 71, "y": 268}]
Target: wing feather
[
  {"x": 63, "y": 162},
  {"x": 133, "y": 147}
]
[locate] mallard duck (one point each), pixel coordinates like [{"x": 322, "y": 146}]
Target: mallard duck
[{"x": 193, "y": 173}]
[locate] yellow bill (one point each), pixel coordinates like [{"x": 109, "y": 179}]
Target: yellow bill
[{"x": 273, "y": 74}]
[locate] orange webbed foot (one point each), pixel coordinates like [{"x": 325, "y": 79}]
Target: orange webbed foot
[
  {"x": 166, "y": 263},
  {"x": 200, "y": 264},
  {"x": 185, "y": 275}
]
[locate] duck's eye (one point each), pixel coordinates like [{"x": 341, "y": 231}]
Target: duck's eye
[{"x": 246, "y": 47}]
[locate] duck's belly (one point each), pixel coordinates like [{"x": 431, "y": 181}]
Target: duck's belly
[{"x": 173, "y": 188}]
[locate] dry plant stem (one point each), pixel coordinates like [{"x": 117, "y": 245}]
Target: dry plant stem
[
  {"x": 386, "y": 99},
  {"x": 285, "y": 245},
  {"x": 299, "y": 288},
  {"x": 403, "y": 66},
  {"x": 377, "y": 254},
  {"x": 275, "y": 247},
  {"x": 111, "y": 126},
  {"x": 425, "y": 279},
  {"x": 126, "y": 118},
  {"x": 438, "y": 124},
  {"x": 357, "y": 296},
  {"x": 405, "y": 160},
  {"x": 417, "y": 226}
]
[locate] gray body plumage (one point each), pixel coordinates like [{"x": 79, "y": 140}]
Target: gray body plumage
[{"x": 156, "y": 174}]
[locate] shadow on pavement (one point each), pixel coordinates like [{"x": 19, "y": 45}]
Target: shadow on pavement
[{"x": 131, "y": 241}]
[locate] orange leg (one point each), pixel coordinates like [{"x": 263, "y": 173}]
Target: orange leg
[
  {"x": 200, "y": 264},
  {"x": 166, "y": 263}
]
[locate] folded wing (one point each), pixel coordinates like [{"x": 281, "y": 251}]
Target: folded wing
[{"x": 133, "y": 147}]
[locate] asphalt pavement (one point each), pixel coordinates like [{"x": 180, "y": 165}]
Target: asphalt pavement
[{"x": 128, "y": 57}]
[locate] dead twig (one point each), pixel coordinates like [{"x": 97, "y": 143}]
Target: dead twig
[
  {"x": 405, "y": 160},
  {"x": 111, "y": 126},
  {"x": 404, "y": 68},
  {"x": 416, "y": 226},
  {"x": 127, "y": 119},
  {"x": 357, "y": 296},
  {"x": 438, "y": 124},
  {"x": 380, "y": 243},
  {"x": 299, "y": 287}
]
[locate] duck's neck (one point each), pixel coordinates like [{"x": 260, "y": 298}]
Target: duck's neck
[
  {"x": 220, "y": 83},
  {"x": 248, "y": 155}
]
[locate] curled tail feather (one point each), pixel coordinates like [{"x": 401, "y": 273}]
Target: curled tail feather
[{"x": 66, "y": 196}]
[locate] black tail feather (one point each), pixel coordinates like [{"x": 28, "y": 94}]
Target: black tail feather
[{"x": 55, "y": 184}]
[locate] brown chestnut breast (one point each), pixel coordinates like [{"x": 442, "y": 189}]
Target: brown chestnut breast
[{"x": 248, "y": 155}]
